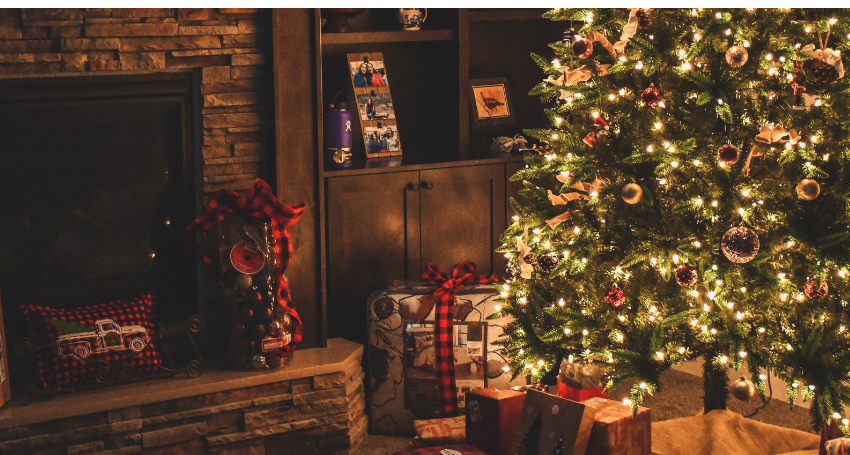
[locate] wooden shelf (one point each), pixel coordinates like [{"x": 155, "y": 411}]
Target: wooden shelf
[
  {"x": 361, "y": 169},
  {"x": 397, "y": 36},
  {"x": 492, "y": 15}
]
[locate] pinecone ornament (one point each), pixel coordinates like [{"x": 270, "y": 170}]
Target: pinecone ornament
[
  {"x": 823, "y": 73},
  {"x": 547, "y": 263},
  {"x": 644, "y": 17}
]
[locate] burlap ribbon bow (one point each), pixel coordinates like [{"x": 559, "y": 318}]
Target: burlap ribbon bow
[
  {"x": 770, "y": 134},
  {"x": 444, "y": 326},
  {"x": 561, "y": 199}
]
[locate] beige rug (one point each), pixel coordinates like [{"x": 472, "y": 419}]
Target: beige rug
[{"x": 728, "y": 433}]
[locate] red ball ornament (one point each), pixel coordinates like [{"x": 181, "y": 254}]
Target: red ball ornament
[
  {"x": 615, "y": 296},
  {"x": 728, "y": 155},
  {"x": 582, "y": 48},
  {"x": 651, "y": 97},
  {"x": 686, "y": 275},
  {"x": 814, "y": 292}
]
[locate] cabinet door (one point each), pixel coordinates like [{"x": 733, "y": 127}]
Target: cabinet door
[
  {"x": 463, "y": 215},
  {"x": 513, "y": 188},
  {"x": 371, "y": 221}
]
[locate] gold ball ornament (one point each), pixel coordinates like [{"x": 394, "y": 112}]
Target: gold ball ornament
[
  {"x": 740, "y": 244},
  {"x": 743, "y": 389},
  {"x": 808, "y": 189},
  {"x": 736, "y": 56},
  {"x": 632, "y": 193}
]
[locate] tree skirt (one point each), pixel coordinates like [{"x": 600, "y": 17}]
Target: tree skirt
[{"x": 728, "y": 433}]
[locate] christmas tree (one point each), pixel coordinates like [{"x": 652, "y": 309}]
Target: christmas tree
[{"x": 689, "y": 200}]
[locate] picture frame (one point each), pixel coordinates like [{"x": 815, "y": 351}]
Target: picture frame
[
  {"x": 491, "y": 104},
  {"x": 375, "y": 111}
]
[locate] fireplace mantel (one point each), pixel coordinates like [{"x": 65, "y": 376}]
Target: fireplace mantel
[{"x": 317, "y": 397}]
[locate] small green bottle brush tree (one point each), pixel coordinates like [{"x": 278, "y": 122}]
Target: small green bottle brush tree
[{"x": 689, "y": 200}]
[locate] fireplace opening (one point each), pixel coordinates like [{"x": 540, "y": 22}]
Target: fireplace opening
[{"x": 97, "y": 181}]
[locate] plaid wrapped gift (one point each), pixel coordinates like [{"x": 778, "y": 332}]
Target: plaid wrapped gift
[
  {"x": 402, "y": 361},
  {"x": 840, "y": 446},
  {"x": 57, "y": 369}
]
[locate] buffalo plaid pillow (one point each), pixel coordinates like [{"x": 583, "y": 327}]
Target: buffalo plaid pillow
[{"x": 98, "y": 343}]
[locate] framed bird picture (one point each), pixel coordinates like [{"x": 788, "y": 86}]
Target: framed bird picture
[{"x": 491, "y": 103}]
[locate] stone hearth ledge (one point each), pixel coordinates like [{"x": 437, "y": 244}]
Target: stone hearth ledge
[{"x": 305, "y": 363}]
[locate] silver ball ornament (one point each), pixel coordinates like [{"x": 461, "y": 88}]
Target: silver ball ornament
[
  {"x": 743, "y": 389},
  {"x": 258, "y": 362}
]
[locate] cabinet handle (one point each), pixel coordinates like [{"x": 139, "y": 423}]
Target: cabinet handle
[
  {"x": 412, "y": 186},
  {"x": 427, "y": 185}
]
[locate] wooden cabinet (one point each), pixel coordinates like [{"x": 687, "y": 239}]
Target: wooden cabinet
[{"x": 388, "y": 226}]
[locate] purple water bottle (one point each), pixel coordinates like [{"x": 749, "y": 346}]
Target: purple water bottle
[{"x": 338, "y": 137}]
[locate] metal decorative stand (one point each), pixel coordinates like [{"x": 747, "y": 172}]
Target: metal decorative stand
[{"x": 116, "y": 371}]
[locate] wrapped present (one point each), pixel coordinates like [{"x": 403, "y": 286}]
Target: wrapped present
[
  {"x": 616, "y": 432},
  {"x": 550, "y": 425},
  {"x": 457, "y": 449},
  {"x": 571, "y": 393},
  {"x": 579, "y": 381},
  {"x": 403, "y": 358},
  {"x": 448, "y": 430},
  {"x": 840, "y": 446},
  {"x": 492, "y": 416}
]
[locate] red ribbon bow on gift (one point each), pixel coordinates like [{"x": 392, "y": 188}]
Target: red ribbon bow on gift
[
  {"x": 444, "y": 326},
  {"x": 260, "y": 206}
]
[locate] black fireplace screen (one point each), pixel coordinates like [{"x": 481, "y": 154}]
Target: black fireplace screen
[{"x": 95, "y": 188}]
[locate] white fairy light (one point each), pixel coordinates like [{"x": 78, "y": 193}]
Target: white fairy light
[
  {"x": 724, "y": 359},
  {"x": 585, "y": 332},
  {"x": 642, "y": 385},
  {"x": 536, "y": 230},
  {"x": 728, "y": 32},
  {"x": 674, "y": 164},
  {"x": 498, "y": 307},
  {"x": 730, "y": 305},
  {"x": 675, "y": 258},
  {"x": 686, "y": 66},
  {"x": 769, "y": 56},
  {"x": 781, "y": 275},
  {"x": 706, "y": 307},
  {"x": 742, "y": 354},
  {"x": 622, "y": 92},
  {"x": 694, "y": 322},
  {"x": 649, "y": 148},
  {"x": 660, "y": 355},
  {"x": 561, "y": 302},
  {"x": 695, "y": 293},
  {"x": 743, "y": 290},
  {"x": 714, "y": 331},
  {"x": 800, "y": 296},
  {"x": 761, "y": 329},
  {"x": 639, "y": 65},
  {"x": 783, "y": 296},
  {"x": 567, "y": 331},
  {"x": 657, "y": 125},
  {"x": 577, "y": 230},
  {"x": 681, "y": 349}
]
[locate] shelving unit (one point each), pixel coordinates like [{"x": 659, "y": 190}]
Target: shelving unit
[{"x": 428, "y": 73}]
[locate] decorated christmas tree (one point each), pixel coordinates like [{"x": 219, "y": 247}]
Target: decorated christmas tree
[{"x": 689, "y": 200}]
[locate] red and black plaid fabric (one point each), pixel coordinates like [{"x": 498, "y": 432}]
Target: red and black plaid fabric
[
  {"x": 55, "y": 372},
  {"x": 260, "y": 206},
  {"x": 444, "y": 326},
  {"x": 462, "y": 449}
]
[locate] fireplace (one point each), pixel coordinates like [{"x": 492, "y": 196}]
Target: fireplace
[{"x": 98, "y": 180}]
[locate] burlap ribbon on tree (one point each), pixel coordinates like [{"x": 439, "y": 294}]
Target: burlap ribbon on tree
[
  {"x": 259, "y": 206},
  {"x": 444, "y": 326}
]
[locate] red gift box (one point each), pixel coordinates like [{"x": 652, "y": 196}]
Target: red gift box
[
  {"x": 570, "y": 393},
  {"x": 492, "y": 416}
]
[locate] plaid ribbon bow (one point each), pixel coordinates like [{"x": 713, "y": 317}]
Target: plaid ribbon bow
[
  {"x": 444, "y": 326},
  {"x": 260, "y": 206}
]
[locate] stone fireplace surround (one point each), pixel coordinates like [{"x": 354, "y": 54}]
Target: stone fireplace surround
[{"x": 313, "y": 405}]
